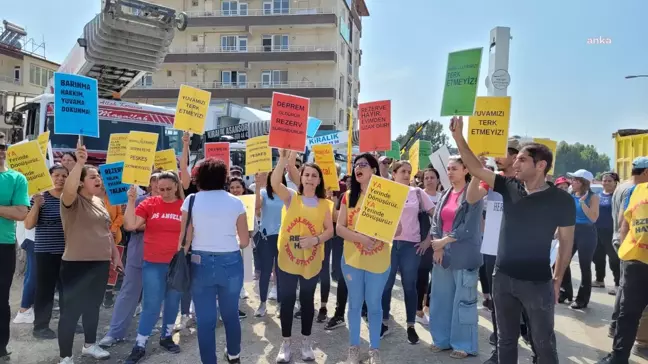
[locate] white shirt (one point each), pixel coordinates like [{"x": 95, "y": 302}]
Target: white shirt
[
  {"x": 214, "y": 218},
  {"x": 290, "y": 183}
]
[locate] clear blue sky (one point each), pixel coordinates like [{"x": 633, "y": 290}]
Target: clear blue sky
[{"x": 562, "y": 88}]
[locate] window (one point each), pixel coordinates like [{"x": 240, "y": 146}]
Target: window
[
  {"x": 146, "y": 81},
  {"x": 194, "y": 38},
  {"x": 341, "y": 89},
  {"x": 275, "y": 43},
  {"x": 341, "y": 119},
  {"x": 38, "y": 75},
  {"x": 267, "y": 8},
  {"x": 232, "y": 8},
  {"x": 194, "y": 73},
  {"x": 274, "y": 78},
  {"x": 280, "y": 6},
  {"x": 17, "y": 74},
  {"x": 169, "y": 73},
  {"x": 194, "y": 2},
  {"x": 233, "y": 78},
  {"x": 233, "y": 43}
]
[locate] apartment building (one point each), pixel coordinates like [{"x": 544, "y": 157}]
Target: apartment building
[
  {"x": 24, "y": 72},
  {"x": 243, "y": 51}
]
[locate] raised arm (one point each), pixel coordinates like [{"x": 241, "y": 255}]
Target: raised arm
[
  {"x": 469, "y": 158},
  {"x": 276, "y": 180},
  {"x": 475, "y": 191},
  {"x": 185, "y": 174},
  {"x": 32, "y": 216},
  {"x": 71, "y": 187},
  {"x": 258, "y": 199},
  {"x": 132, "y": 222},
  {"x": 293, "y": 172}
]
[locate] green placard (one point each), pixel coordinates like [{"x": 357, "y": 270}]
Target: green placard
[
  {"x": 462, "y": 76},
  {"x": 394, "y": 153},
  {"x": 425, "y": 150}
]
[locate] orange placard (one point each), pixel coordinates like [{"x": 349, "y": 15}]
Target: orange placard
[
  {"x": 288, "y": 122},
  {"x": 220, "y": 151},
  {"x": 112, "y": 274},
  {"x": 375, "y": 126}
]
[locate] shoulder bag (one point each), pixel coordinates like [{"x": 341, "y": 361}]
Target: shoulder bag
[{"x": 179, "y": 276}]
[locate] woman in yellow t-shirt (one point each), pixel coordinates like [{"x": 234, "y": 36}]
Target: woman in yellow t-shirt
[
  {"x": 306, "y": 223},
  {"x": 366, "y": 262}
]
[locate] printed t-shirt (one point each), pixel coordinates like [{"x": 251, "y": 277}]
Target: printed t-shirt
[
  {"x": 162, "y": 231},
  {"x": 49, "y": 236},
  {"x": 635, "y": 245},
  {"x": 376, "y": 260},
  {"x": 13, "y": 192},
  {"x": 604, "y": 220},
  {"x": 86, "y": 225},
  {"x": 449, "y": 211},
  {"x": 410, "y": 228}
]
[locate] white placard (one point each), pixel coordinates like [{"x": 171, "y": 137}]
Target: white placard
[
  {"x": 439, "y": 160},
  {"x": 494, "y": 212}
]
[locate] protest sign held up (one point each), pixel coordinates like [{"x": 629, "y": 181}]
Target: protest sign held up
[
  {"x": 43, "y": 140},
  {"x": 488, "y": 129},
  {"x": 394, "y": 152},
  {"x": 326, "y": 161},
  {"x": 111, "y": 175},
  {"x": 28, "y": 159},
  {"x": 381, "y": 209},
  {"x": 462, "y": 76},
  {"x": 117, "y": 146},
  {"x": 140, "y": 156},
  {"x": 258, "y": 155},
  {"x": 220, "y": 150},
  {"x": 288, "y": 122},
  {"x": 375, "y": 126},
  {"x": 191, "y": 110},
  {"x": 249, "y": 203},
  {"x": 76, "y": 105},
  {"x": 166, "y": 160}
]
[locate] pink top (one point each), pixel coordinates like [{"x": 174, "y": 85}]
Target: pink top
[
  {"x": 448, "y": 211},
  {"x": 411, "y": 230}
]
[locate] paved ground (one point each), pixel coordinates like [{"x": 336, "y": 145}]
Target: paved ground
[{"x": 582, "y": 337}]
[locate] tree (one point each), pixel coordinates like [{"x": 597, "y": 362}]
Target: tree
[
  {"x": 572, "y": 157},
  {"x": 433, "y": 132}
]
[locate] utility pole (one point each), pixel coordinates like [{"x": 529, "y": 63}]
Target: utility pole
[{"x": 498, "y": 78}]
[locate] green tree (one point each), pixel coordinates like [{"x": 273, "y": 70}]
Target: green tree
[
  {"x": 433, "y": 132},
  {"x": 572, "y": 157}
]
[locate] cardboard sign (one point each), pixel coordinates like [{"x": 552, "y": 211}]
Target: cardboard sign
[
  {"x": 191, "y": 109},
  {"x": 28, "y": 159},
  {"x": 249, "y": 201},
  {"x": 381, "y": 209},
  {"x": 462, "y": 77},
  {"x": 111, "y": 175},
  {"x": 117, "y": 146},
  {"x": 112, "y": 274},
  {"x": 258, "y": 155},
  {"x": 326, "y": 161},
  {"x": 439, "y": 160},
  {"x": 488, "y": 128},
  {"x": 140, "y": 155},
  {"x": 289, "y": 122},
  {"x": 43, "y": 140},
  {"x": 553, "y": 146},
  {"x": 220, "y": 151},
  {"x": 375, "y": 126},
  {"x": 394, "y": 153},
  {"x": 333, "y": 138},
  {"x": 76, "y": 105},
  {"x": 313, "y": 126},
  {"x": 166, "y": 160}
]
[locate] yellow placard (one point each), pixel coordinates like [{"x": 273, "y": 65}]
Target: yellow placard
[
  {"x": 258, "y": 155},
  {"x": 553, "y": 146},
  {"x": 117, "y": 148},
  {"x": 414, "y": 158},
  {"x": 326, "y": 161},
  {"x": 28, "y": 159},
  {"x": 43, "y": 139},
  {"x": 140, "y": 155},
  {"x": 381, "y": 209},
  {"x": 191, "y": 110},
  {"x": 166, "y": 160},
  {"x": 249, "y": 202},
  {"x": 488, "y": 128},
  {"x": 350, "y": 143}
]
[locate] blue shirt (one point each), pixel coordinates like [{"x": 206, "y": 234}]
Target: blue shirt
[
  {"x": 270, "y": 213},
  {"x": 626, "y": 200},
  {"x": 49, "y": 228},
  {"x": 581, "y": 218},
  {"x": 604, "y": 220}
]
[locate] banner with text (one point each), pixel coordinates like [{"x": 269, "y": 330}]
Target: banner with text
[
  {"x": 117, "y": 146},
  {"x": 258, "y": 155},
  {"x": 220, "y": 150},
  {"x": 326, "y": 161},
  {"x": 76, "y": 105},
  {"x": 553, "y": 146},
  {"x": 375, "y": 126},
  {"x": 111, "y": 175},
  {"x": 488, "y": 128},
  {"x": 140, "y": 156},
  {"x": 166, "y": 160},
  {"x": 334, "y": 138},
  {"x": 191, "y": 109},
  {"x": 28, "y": 159},
  {"x": 462, "y": 76},
  {"x": 289, "y": 122},
  {"x": 381, "y": 209}
]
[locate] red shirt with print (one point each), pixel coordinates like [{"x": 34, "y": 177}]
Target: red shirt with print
[{"x": 162, "y": 228}]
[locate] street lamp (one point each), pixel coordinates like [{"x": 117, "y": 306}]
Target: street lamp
[{"x": 636, "y": 76}]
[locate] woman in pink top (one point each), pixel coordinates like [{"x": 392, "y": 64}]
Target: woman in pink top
[{"x": 407, "y": 250}]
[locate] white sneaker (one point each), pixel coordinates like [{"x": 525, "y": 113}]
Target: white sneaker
[
  {"x": 67, "y": 360},
  {"x": 272, "y": 295},
  {"x": 261, "y": 311},
  {"x": 95, "y": 351},
  {"x": 26, "y": 317},
  {"x": 307, "y": 350},
  {"x": 244, "y": 294},
  {"x": 423, "y": 320},
  {"x": 184, "y": 320},
  {"x": 107, "y": 342},
  {"x": 285, "y": 354}
]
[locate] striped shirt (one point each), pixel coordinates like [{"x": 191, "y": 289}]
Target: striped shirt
[{"x": 49, "y": 228}]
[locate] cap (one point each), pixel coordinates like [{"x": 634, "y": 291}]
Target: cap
[
  {"x": 513, "y": 143},
  {"x": 561, "y": 180},
  {"x": 236, "y": 168},
  {"x": 383, "y": 158},
  {"x": 584, "y": 174},
  {"x": 640, "y": 163}
]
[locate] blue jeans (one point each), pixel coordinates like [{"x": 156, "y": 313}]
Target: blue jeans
[
  {"x": 154, "y": 293},
  {"x": 217, "y": 276},
  {"x": 364, "y": 287},
  {"x": 185, "y": 303},
  {"x": 29, "y": 284},
  {"x": 405, "y": 259},
  {"x": 453, "y": 309},
  {"x": 267, "y": 254}
]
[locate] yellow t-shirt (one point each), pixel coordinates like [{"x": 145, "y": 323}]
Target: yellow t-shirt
[{"x": 635, "y": 245}]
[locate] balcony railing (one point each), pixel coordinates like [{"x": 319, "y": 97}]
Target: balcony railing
[
  {"x": 259, "y": 12},
  {"x": 254, "y": 49},
  {"x": 233, "y": 85},
  {"x": 10, "y": 79}
]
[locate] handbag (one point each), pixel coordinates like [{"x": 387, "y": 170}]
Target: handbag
[
  {"x": 179, "y": 275},
  {"x": 424, "y": 219}
]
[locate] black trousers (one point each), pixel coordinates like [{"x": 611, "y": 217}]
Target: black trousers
[
  {"x": 423, "y": 288},
  {"x": 48, "y": 268},
  {"x": 604, "y": 248},
  {"x": 82, "y": 289},
  {"x": 7, "y": 269},
  {"x": 288, "y": 296},
  {"x": 633, "y": 301}
]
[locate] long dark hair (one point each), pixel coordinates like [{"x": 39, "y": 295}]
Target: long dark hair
[
  {"x": 355, "y": 190},
  {"x": 320, "y": 190},
  {"x": 269, "y": 189},
  {"x": 246, "y": 191},
  {"x": 438, "y": 176},
  {"x": 456, "y": 158}
]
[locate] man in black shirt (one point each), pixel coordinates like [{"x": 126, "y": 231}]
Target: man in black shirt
[{"x": 533, "y": 211}]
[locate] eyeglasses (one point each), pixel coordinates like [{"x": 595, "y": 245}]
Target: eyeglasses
[{"x": 361, "y": 165}]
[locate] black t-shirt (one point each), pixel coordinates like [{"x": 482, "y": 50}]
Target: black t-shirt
[
  {"x": 192, "y": 189},
  {"x": 529, "y": 222}
]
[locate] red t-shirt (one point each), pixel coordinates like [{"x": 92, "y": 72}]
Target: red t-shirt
[{"x": 162, "y": 228}]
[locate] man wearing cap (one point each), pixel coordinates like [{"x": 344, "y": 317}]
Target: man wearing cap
[{"x": 14, "y": 203}]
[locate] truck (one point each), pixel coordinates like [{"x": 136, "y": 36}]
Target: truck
[{"x": 629, "y": 144}]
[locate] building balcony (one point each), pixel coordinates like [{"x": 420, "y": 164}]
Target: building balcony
[
  {"x": 234, "y": 54},
  {"x": 220, "y": 90},
  {"x": 311, "y": 17},
  {"x": 10, "y": 79}
]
